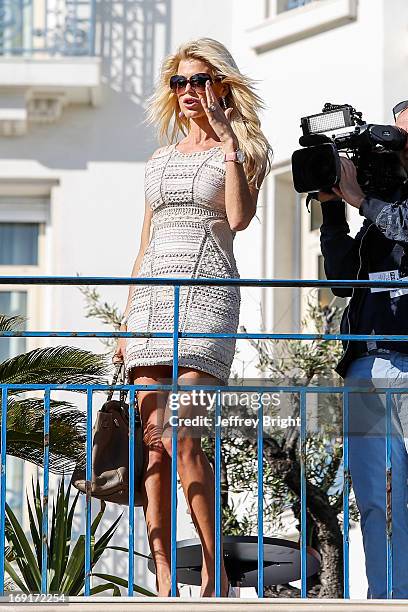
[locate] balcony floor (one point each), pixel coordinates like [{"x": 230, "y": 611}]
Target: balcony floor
[{"x": 142, "y": 604}]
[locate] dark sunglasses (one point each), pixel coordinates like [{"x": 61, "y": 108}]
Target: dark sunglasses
[
  {"x": 178, "y": 83},
  {"x": 399, "y": 108}
]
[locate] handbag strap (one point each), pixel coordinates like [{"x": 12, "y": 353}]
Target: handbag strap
[{"x": 120, "y": 371}]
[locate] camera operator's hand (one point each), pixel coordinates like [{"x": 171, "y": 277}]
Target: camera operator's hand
[{"x": 349, "y": 189}]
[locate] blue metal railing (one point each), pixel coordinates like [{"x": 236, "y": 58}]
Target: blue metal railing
[
  {"x": 55, "y": 27},
  {"x": 176, "y": 387}
]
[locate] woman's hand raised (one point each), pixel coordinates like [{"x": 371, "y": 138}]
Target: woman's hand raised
[{"x": 218, "y": 119}]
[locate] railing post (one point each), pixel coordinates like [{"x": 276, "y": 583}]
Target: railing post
[
  {"x": 303, "y": 506},
  {"x": 174, "y": 432},
  {"x": 346, "y": 494},
  {"x": 260, "y": 500},
  {"x": 46, "y": 479},
  {"x": 388, "y": 500},
  {"x": 131, "y": 561},
  {"x": 88, "y": 492},
  {"x": 217, "y": 496}
]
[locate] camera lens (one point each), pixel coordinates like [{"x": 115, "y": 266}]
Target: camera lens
[{"x": 315, "y": 168}]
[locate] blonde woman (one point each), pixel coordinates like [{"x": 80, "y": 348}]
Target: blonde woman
[{"x": 200, "y": 191}]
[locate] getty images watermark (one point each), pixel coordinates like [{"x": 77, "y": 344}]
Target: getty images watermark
[{"x": 238, "y": 410}]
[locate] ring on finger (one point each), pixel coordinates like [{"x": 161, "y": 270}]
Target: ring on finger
[{"x": 212, "y": 108}]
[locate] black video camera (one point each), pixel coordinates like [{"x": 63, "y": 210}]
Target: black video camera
[{"x": 372, "y": 148}]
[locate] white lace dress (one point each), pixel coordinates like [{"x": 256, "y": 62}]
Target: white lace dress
[{"x": 191, "y": 238}]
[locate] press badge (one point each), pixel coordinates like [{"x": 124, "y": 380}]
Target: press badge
[
  {"x": 400, "y": 291},
  {"x": 390, "y": 275}
]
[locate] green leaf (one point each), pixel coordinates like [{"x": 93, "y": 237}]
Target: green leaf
[
  {"x": 74, "y": 572},
  {"x": 59, "y": 541},
  {"x": 106, "y": 587},
  {"x": 52, "y": 530},
  {"x": 98, "y": 518},
  {"x": 124, "y": 583},
  {"x": 66, "y": 535},
  {"x": 69, "y": 526},
  {"x": 78, "y": 584},
  {"x": 34, "y": 532},
  {"x": 75, "y": 569},
  {"x": 77, "y": 580},
  {"x": 123, "y": 549},
  {"x": 37, "y": 503},
  {"x": 15, "y": 577},
  {"x": 9, "y": 553},
  {"x": 104, "y": 540},
  {"x": 23, "y": 549},
  {"x": 67, "y": 495}
]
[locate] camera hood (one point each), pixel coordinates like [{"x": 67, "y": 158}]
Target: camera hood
[{"x": 316, "y": 168}]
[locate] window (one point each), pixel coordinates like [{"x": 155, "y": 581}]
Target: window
[
  {"x": 16, "y": 30},
  {"x": 13, "y": 303},
  {"x": 287, "y": 21},
  {"x": 19, "y": 244},
  {"x": 288, "y": 5},
  {"x": 281, "y": 6}
]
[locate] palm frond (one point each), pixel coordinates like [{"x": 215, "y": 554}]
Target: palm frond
[
  {"x": 8, "y": 323},
  {"x": 67, "y": 433},
  {"x": 54, "y": 365}
]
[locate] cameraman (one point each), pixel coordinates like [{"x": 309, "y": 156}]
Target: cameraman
[{"x": 381, "y": 246}]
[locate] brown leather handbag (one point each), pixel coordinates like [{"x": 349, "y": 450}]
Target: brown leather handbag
[{"x": 110, "y": 452}]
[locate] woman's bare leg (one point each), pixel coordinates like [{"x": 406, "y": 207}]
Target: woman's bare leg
[
  {"x": 156, "y": 480},
  {"x": 197, "y": 480}
]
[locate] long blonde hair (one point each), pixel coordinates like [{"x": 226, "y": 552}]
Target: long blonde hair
[{"x": 163, "y": 108}]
